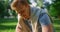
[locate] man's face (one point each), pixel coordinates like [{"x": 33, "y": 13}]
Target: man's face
[{"x": 24, "y": 10}]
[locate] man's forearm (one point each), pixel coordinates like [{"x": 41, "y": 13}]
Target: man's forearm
[{"x": 23, "y": 27}]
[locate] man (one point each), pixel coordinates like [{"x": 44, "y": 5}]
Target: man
[{"x": 30, "y": 18}]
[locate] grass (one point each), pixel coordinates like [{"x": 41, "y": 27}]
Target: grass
[
  {"x": 8, "y": 25},
  {"x": 57, "y": 25}
]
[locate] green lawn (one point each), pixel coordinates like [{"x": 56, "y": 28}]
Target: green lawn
[
  {"x": 56, "y": 24},
  {"x": 8, "y": 25}
]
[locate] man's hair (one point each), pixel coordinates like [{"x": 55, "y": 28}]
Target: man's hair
[
  {"x": 16, "y": 3},
  {"x": 21, "y": 6}
]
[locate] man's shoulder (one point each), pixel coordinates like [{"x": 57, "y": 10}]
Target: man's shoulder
[{"x": 33, "y": 7}]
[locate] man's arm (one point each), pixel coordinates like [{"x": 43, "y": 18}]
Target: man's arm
[{"x": 21, "y": 26}]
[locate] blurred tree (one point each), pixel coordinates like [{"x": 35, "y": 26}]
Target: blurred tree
[
  {"x": 5, "y": 8},
  {"x": 39, "y": 2},
  {"x": 55, "y": 7},
  {"x": 2, "y": 8},
  {"x": 53, "y": 12}
]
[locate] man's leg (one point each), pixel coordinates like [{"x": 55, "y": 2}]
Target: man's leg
[
  {"x": 46, "y": 24},
  {"x": 18, "y": 28},
  {"x": 22, "y": 26},
  {"x": 47, "y": 28}
]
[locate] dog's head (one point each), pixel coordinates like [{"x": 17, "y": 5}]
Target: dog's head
[{"x": 21, "y": 7}]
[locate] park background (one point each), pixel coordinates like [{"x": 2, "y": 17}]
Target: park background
[{"x": 8, "y": 17}]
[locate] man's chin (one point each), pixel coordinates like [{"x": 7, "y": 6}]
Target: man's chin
[{"x": 26, "y": 17}]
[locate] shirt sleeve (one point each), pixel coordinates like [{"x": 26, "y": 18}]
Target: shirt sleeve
[{"x": 45, "y": 20}]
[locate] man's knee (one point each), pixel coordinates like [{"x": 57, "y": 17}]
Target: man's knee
[
  {"x": 18, "y": 28},
  {"x": 47, "y": 28}
]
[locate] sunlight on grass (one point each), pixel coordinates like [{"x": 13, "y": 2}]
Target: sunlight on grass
[
  {"x": 9, "y": 25},
  {"x": 56, "y": 25},
  {"x": 8, "y": 30}
]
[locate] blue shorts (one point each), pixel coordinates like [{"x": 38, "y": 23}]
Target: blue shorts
[{"x": 44, "y": 20}]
